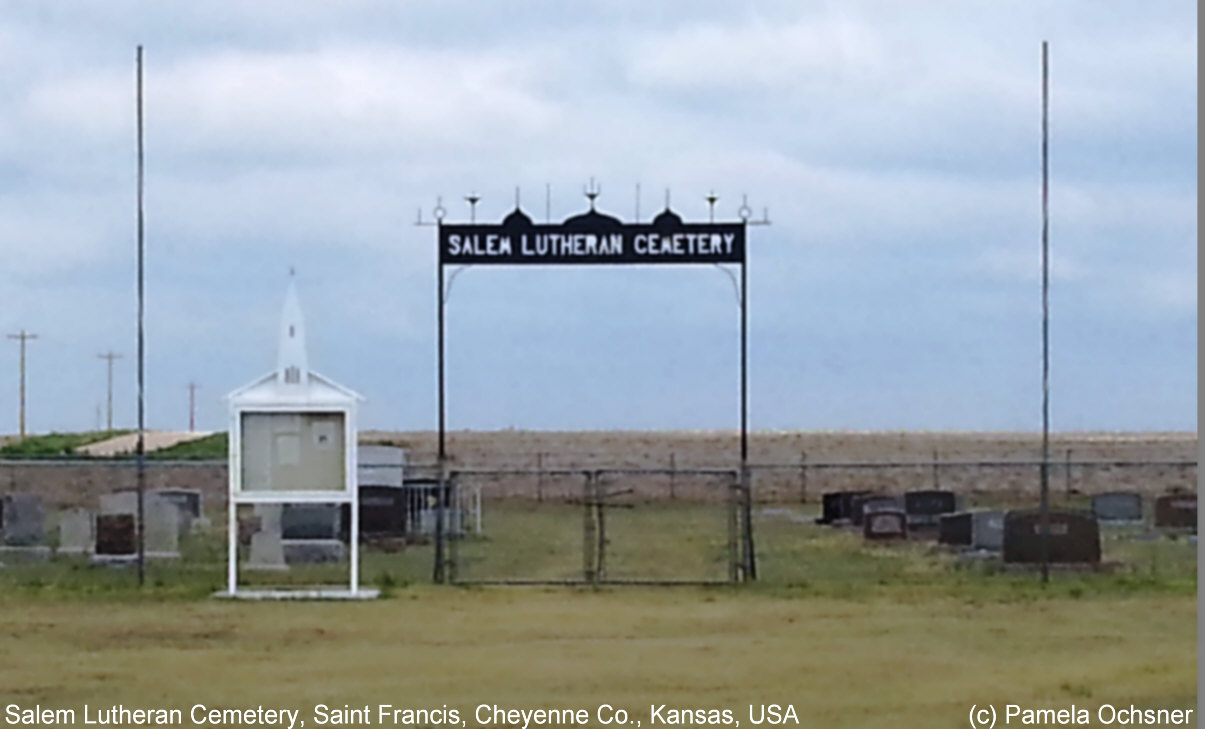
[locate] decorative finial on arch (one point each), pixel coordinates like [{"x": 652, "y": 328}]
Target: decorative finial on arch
[
  {"x": 592, "y": 192},
  {"x": 292, "y": 272}
]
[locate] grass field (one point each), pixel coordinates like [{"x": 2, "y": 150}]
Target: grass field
[
  {"x": 850, "y": 634},
  {"x": 897, "y": 660}
]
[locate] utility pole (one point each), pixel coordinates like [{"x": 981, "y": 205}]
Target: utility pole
[
  {"x": 22, "y": 337},
  {"x": 192, "y": 406},
  {"x": 110, "y": 356}
]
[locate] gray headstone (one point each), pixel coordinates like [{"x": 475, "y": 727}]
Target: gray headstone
[
  {"x": 378, "y": 465},
  {"x": 884, "y": 524},
  {"x": 23, "y": 520},
  {"x": 187, "y": 501},
  {"x": 987, "y": 530},
  {"x": 267, "y": 552},
  {"x": 162, "y": 532},
  {"x": 310, "y": 521},
  {"x": 1115, "y": 506},
  {"x": 76, "y": 535}
]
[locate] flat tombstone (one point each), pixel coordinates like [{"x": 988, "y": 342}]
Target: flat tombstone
[
  {"x": 884, "y": 524},
  {"x": 23, "y": 520},
  {"x": 925, "y": 508},
  {"x": 987, "y": 530},
  {"x": 310, "y": 521},
  {"x": 955, "y": 529},
  {"x": 1176, "y": 511},
  {"x": 1118, "y": 506},
  {"x": 1074, "y": 537},
  {"x": 116, "y": 536},
  {"x": 76, "y": 535}
]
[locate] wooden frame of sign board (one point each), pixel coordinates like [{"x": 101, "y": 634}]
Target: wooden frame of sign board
[{"x": 315, "y": 422}]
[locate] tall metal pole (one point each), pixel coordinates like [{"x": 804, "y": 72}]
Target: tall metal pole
[
  {"x": 141, "y": 448},
  {"x": 746, "y": 481},
  {"x": 22, "y": 337},
  {"x": 438, "y": 575},
  {"x": 110, "y": 356},
  {"x": 1045, "y": 470}
]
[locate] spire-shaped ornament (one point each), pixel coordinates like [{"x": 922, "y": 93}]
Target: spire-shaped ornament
[{"x": 292, "y": 365}]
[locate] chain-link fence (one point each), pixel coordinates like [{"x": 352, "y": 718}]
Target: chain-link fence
[{"x": 70, "y": 521}]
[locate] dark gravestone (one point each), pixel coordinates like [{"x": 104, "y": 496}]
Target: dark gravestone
[
  {"x": 115, "y": 535},
  {"x": 1074, "y": 537},
  {"x": 1117, "y": 506},
  {"x": 955, "y": 529},
  {"x": 924, "y": 508},
  {"x": 382, "y": 513},
  {"x": 22, "y": 520},
  {"x": 1176, "y": 511},
  {"x": 837, "y": 506},
  {"x": 885, "y": 524},
  {"x": 867, "y": 503},
  {"x": 310, "y": 521}
]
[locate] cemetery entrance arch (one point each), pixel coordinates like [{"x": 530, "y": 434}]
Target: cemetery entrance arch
[{"x": 595, "y": 238}]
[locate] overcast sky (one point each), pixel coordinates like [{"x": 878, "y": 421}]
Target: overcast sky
[{"x": 895, "y": 145}]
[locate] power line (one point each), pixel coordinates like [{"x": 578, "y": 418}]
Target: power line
[
  {"x": 192, "y": 406},
  {"x": 110, "y": 356},
  {"x": 23, "y": 336}
]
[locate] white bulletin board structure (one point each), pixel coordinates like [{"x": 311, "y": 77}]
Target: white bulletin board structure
[{"x": 293, "y": 440}]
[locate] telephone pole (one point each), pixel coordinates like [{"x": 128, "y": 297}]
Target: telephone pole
[
  {"x": 192, "y": 406},
  {"x": 110, "y": 356},
  {"x": 22, "y": 336}
]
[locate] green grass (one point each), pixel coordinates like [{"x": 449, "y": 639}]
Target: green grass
[
  {"x": 851, "y": 635},
  {"x": 840, "y": 663},
  {"x": 531, "y": 541},
  {"x": 55, "y": 445},
  {"x": 210, "y": 448}
]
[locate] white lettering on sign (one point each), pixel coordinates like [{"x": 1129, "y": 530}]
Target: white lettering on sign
[
  {"x": 679, "y": 244},
  {"x": 1056, "y": 530},
  {"x": 580, "y": 244},
  {"x": 489, "y": 245}
]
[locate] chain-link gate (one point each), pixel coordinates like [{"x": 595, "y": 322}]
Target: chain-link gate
[{"x": 608, "y": 526}]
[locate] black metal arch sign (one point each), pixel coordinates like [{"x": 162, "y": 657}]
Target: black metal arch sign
[{"x": 592, "y": 238}]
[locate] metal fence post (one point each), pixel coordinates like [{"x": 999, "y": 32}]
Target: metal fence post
[{"x": 803, "y": 477}]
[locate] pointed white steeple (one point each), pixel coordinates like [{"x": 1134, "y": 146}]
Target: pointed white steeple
[{"x": 292, "y": 365}]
